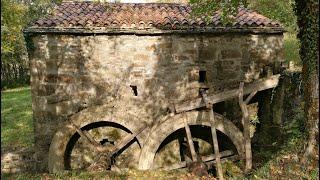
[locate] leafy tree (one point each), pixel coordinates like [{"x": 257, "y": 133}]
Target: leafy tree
[
  {"x": 12, "y": 44},
  {"x": 15, "y": 15},
  {"x": 228, "y": 8},
  {"x": 280, "y": 10}
]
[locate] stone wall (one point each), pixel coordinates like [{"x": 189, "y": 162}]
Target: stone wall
[{"x": 142, "y": 75}]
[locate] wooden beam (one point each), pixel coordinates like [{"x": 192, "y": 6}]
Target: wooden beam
[
  {"x": 86, "y": 136},
  {"x": 246, "y": 129},
  {"x": 225, "y": 155},
  {"x": 123, "y": 142},
  {"x": 213, "y": 156},
  {"x": 230, "y": 158},
  {"x": 112, "y": 150},
  {"x": 189, "y": 140},
  {"x": 259, "y": 85},
  {"x": 215, "y": 144},
  {"x": 250, "y": 97}
]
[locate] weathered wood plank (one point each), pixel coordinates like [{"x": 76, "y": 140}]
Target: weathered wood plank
[
  {"x": 100, "y": 148},
  {"x": 189, "y": 139},
  {"x": 259, "y": 85},
  {"x": 215, "y": 144},
  {"x": 85, "y": 135},
  {"x": 230, "y": 158},
  {"x": 246, "y": 128},
  {"x": 224, "y": 156},
  {"x": 250, "y": 97},
  {"x": 213, "y": 156},
  {"x": 124, "y": 141}
]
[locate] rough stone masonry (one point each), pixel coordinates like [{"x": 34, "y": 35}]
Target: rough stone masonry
[{"x": 140, "y": 75}]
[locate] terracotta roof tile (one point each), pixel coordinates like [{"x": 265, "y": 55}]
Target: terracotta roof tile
[{"x": 158, "y": 15}]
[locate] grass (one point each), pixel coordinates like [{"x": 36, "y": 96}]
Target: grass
[
  {"x": 291, "y": 48},
  {"x": 16, "y": 118}
]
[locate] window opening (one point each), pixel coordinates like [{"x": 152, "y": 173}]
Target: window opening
[
  {"x": 134, "y": 89},
  {"x": 202, "y": 76}
]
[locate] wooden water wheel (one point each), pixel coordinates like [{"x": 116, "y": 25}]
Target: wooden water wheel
[
  {"x": 198, "y": 129},
  {"x": 84, "y": 143}
]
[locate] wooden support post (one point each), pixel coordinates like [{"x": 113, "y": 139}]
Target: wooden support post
[
  {"x": 189, "y": 139},
  {"x": 215, "y": 144},
  {"x": 250, "y": 97},
  {"x": 246, "y": 127}
]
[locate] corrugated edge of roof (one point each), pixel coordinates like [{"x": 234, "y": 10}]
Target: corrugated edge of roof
[{"x": 146, "y": 31}]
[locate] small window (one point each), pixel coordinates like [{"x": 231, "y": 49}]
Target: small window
[
  {"x": 134, "y": 89},
  {"x": 202, "y": 76}
]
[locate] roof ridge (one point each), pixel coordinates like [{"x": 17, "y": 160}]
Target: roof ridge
[{"x": 99, "y": 2}]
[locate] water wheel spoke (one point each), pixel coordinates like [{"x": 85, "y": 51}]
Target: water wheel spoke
[
  {"x": 225, "y": 155},
  {"x": 189, "y": 140},
  {"x": 123, "y": 142},
  {"x": 104, "y": 159},
  {"x": 87, "y": 137},
  {"x": 213, "y": 156},
  {"x": 223, "y": 159},
  {"x": 215, "y": 144}
]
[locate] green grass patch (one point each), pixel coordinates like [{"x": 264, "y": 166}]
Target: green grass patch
[
  {"x": 16, "y": 118},
  {"x": 291, "y": 48}
]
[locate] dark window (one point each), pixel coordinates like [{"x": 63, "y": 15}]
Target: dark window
[
  {"x": 202, "y": 76},
  {"x": 135, "y": 90}
]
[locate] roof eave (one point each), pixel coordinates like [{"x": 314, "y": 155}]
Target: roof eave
[{"x": 154, "y": 31}]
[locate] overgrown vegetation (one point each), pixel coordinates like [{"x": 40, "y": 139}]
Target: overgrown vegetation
[{"x": 283, "y": 160}]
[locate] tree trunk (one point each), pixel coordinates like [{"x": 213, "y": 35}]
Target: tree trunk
[
  {"x": 307, "y": 12},
  {"x": 312, "y": 112}
]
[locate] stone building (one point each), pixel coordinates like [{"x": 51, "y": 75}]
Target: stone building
[{"x": 127, "y": 63}]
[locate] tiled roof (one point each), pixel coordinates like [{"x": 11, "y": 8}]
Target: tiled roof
[{"x": 142, "y": 16}]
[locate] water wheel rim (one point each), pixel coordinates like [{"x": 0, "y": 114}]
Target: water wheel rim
[{"x": 173, "y": 124}]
